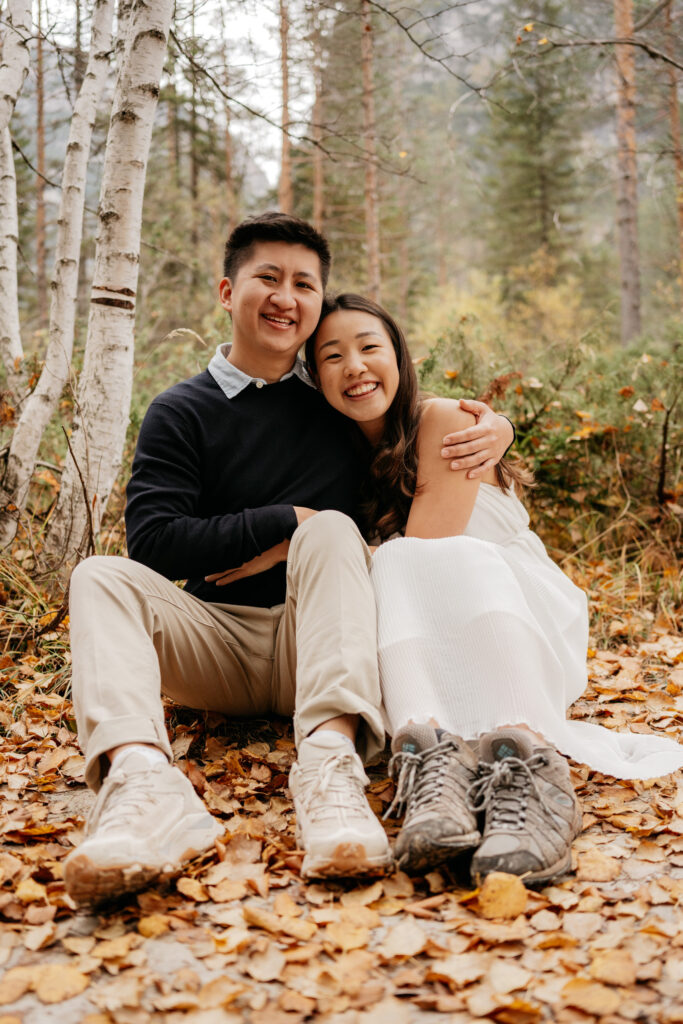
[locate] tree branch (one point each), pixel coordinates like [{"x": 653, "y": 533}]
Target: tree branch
[
  {"x": 651, "y": 15},
  {"x": 650, "y": 50}
]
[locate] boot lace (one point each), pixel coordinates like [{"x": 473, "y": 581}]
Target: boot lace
[
  {"x": 503, "y": 789},
  {"x": 419, "y": 777},
  {"x": 338, "y": 776}
]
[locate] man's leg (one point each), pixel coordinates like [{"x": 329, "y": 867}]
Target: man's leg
[
  {"x": 135, "y": 634},
  {"x": 327, "y": 644}
]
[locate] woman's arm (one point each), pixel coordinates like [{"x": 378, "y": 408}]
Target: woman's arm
[{"x": 444, "y": 500}]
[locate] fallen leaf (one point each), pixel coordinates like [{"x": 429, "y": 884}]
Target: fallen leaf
[
  {"x": 193, "y": 889},
  {"x": 29, "y": 891},
  {"x": 154, "y": 925},
  {"x": 595, "y": 866},
  {"x": 506, "y": 977},
  {"x": 502, "y": 895},
  {"x": 15, "y": 983},
  {"x": 345, "y": 935},
  {"x": 590, "y": 996},
  {"x": 266, "y": 966},
  {"x": 404, "y": 940},
  {"x": 270, "y": 922},
  {"x": 614, "y": 966},
  {"x": 460, "y": 970},
  {"x": 219, "y": 991},
  {"x": 53, "y": 983}
]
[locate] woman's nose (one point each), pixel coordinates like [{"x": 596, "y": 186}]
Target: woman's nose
[{"x": 354, "y": 365}]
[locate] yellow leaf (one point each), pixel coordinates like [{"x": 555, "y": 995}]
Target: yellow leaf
[
  {"x": 53, "y": 983},
  {"x": 16, "y": 982},
  {"x": 615, "y": 966},
  {"x": 29, "y": 891},
  {"x": 345, "y": 935},
  {"x": 502, "y": 895},
  {"x": 405, "y": 940},
  {"x": 193, "y": 889},
  {"x": 542, "y": 41},
  {"x": 529, "y": 27},
  {"x": 595, "y": 866},
  {"x": 451, "y": 374},
  {"x": 155, "y": 924},
  {"x": 590, "y": 996}
]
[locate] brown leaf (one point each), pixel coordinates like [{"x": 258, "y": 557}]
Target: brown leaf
[
  {"x": 502, "y": 895},
  {"x": 227, "y": 891},
  {"x": 266, "y": 966},
  {"x": 29, "y": 891},
  {"x": 404, "y": 940},
  {"x": 460, "y": 970},
  {"x": 219, "y": 991},
  {"x": 345, "y": 935},
  {"x": 270, "y": 922},
  {"x": 154, "y": 925},
  {"x": 614, "y": 966},
  {"x": 193, "y": 889},
  {"x": 362, "y": 897},
  {"x": 53, "y": 983},
  {"x": 595, "y": 866},
  {"x": 590, "y": 996},
  {"x": 16, "y": 982}
]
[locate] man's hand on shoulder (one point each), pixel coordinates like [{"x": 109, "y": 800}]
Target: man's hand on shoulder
[{"x": 481, "y": 446}]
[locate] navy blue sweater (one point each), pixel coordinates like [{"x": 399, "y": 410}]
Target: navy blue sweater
[{"x": 215, "y": 480}]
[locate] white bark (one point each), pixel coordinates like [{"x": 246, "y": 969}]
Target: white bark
[
  {"x": 15, "y": 57},
  {"x": 105, "y": 384},
  {"x": 13, "y": 70},
  {"x": 11, "y": 349},
  {"x": 42, "y": 402}
]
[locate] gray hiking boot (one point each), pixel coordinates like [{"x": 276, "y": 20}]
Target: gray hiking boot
[
  {"x": 532, "y": 813},
  {"x": 433, "y": 771}
]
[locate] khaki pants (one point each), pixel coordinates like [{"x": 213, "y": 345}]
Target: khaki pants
[{"x": 135, "y": 635}]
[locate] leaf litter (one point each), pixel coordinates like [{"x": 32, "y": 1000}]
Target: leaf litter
[{"x": 238, "y": 935}]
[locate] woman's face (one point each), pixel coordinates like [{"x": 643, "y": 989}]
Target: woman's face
[{"x": 357, "y": 367}]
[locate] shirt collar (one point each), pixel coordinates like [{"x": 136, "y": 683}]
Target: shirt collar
[{"x": 233, "y": 381}]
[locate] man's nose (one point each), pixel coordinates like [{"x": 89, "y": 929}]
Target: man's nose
[{"x": 283, "y": 295}]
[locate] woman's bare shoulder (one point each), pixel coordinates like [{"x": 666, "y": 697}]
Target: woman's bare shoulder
[{"x": 441, "y": 416}]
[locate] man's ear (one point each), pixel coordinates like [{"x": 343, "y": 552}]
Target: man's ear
[{"x": 225, "y": 294}]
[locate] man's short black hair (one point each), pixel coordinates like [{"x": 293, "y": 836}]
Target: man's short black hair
[{"x": 274, "y": 226}]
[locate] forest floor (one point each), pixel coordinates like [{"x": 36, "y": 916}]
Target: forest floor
[{"x": 239, "y": 936}]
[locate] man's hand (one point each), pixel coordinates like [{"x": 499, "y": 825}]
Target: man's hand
[
  {"x": 266, "y": 560},
  {"x": 481, "y": 446}
]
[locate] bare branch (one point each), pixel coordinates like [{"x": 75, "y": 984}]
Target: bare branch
[
  {"x": 647, "y": 48},
  {"x": 651, "y": 15}
]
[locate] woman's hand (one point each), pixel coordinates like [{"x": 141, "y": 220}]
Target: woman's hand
[
  {"x": 266, "y": 560},
  {"x": 481, "y": 446}
]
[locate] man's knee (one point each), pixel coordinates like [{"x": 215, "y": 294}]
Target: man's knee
[
  {"x": 100, "y": 572},
  {"x": 326, "y": 531}
]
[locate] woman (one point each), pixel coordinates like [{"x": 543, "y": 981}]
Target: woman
[{"x": 482, "y": 638}]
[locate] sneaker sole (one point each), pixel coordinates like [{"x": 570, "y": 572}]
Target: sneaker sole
[
  {"x": 422, "y": 854},
  {"x": 347, "y": 860},
  {"x": 531, "y": 878},
  {"x": 87, "y": 881}
]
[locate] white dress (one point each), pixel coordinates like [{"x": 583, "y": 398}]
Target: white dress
[{"x": 484, "y": 630}]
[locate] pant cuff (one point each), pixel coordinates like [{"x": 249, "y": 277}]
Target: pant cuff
[
  {"x": 115, "y": 732},
  {"x": 370, "y": 737}
]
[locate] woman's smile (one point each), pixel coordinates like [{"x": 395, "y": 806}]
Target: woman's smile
[{"x": 362, "y": 390}]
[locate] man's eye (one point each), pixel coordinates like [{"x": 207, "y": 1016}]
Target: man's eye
[{"x": 266, "y": 277}]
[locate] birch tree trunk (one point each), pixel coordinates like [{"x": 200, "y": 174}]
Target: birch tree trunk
[
  {"x": 675, "y": 126},
  {"x": 370, "y": 148},
  {"x": 41, "y": 279},
  {"x": 318, "y": 168},
  {"x": 627, "y": 177},
  {"x": 42, "y": 402},
  {"x": 13, "y": 71},
  {"x": 104, "y": 391},
  {"x": 285, "y": 191},
  {"x": 10, "y": 333}
]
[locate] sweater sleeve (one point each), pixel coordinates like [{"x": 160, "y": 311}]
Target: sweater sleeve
[{"x": 164, "y": 527}]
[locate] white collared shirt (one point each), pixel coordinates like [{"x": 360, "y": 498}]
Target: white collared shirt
[{"x": 232, "y": 381}]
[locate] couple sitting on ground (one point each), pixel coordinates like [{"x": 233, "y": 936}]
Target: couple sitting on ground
[{"x": 355, "y": 555}]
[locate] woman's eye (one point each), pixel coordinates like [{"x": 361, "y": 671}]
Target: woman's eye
[
  {"x": 305, "y": 284},
  {"x": 332, "y": 355}
]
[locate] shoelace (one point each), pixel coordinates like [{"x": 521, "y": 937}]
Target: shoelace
[
  {"x": 418, "y": 775},
  {"x": 130, "y": 801},
  {"x": 502, "y": 790},
  {"x": 334, "y": 773}
]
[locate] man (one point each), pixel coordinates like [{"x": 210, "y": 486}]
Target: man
[{"x": 241, "y": 468}]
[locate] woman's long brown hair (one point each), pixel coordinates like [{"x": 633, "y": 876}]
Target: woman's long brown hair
[{"x": 393, "y": 468}]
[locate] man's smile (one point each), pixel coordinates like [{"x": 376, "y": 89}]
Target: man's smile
[{"x": 278, "y": 321}]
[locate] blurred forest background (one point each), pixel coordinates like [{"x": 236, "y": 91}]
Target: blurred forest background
[{"x": 506, "y": 176}]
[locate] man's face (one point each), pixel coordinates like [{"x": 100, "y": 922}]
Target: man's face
[{"x": 275, "y": 300}]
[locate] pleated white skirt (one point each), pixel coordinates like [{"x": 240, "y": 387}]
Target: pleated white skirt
[{"x": 485, "y": 630}]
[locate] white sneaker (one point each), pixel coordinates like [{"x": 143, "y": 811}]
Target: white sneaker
[
  {"x": 147, "y": 819},
  {"x": 335, "y": 824}
]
